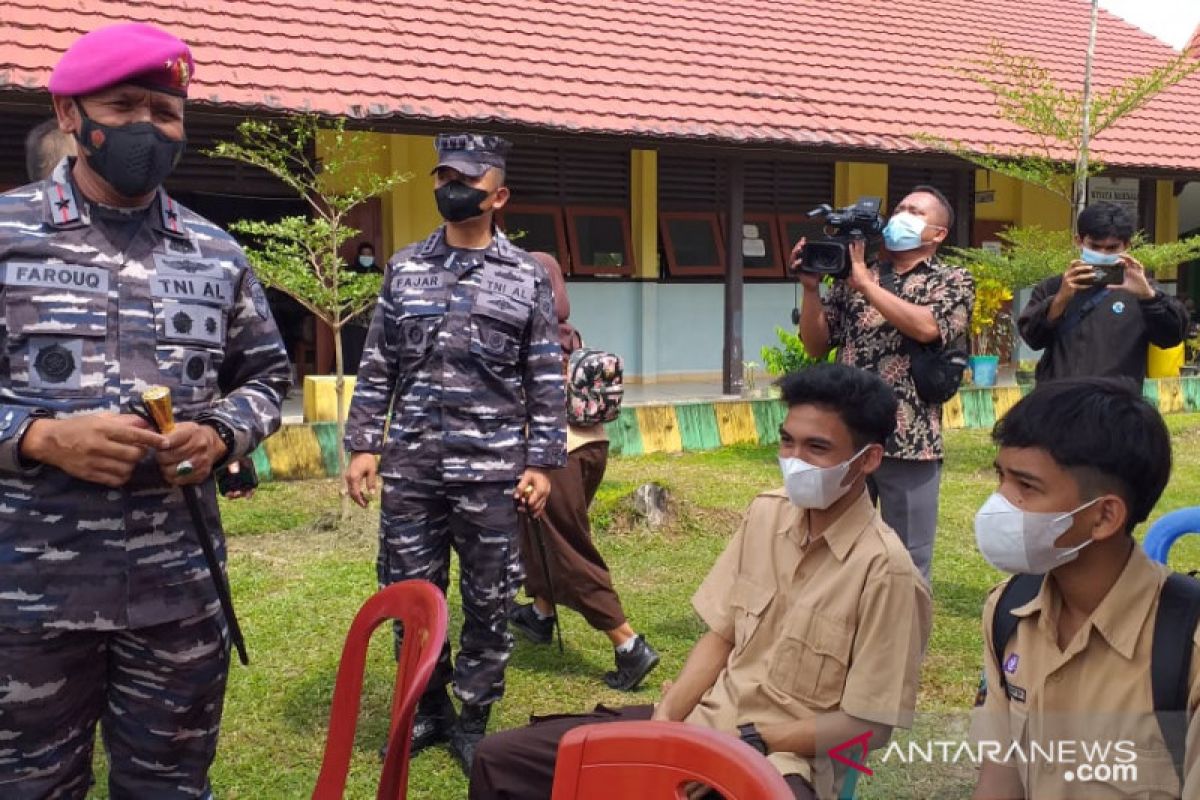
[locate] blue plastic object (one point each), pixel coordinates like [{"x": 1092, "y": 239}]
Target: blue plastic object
[
  {"x": 848, "y": 784},
  {"x": 1167, "y": 529}
]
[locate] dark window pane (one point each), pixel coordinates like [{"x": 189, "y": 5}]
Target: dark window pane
[
  {"x": 758, "y": 245},
  {"x": 694, "y": 242},
  {"x": 601, "y": 241},
  {"x": 532, "y": 232}
]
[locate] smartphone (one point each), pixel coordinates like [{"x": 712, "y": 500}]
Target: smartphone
[{"x": 1108, "y": 274}]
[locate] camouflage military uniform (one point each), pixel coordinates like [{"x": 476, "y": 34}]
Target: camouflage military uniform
[
  {"x": 463, "y": 351},
  {"x": 106, "y": 607}
]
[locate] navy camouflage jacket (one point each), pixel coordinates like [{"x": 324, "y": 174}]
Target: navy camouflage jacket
[
  {"x": 463, "y": 352},
  {"x": 84, "y": 328}
]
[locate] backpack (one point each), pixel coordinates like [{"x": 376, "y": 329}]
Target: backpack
[
  {"x": 595, "y": 387},
  {"x": 1170, "y": 652}
]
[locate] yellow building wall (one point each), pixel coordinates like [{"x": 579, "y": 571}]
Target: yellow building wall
[
  {"x": 853, "y": 179},
  {"x": 1019, "y": 203},
  {"x": 643, "y": 211},
  {"x": 409, "y": 210},
  {"x": 1166, "y": 223},
  {"x": 1006, "y": 202}
]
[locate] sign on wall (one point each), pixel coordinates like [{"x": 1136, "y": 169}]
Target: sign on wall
[{"x": 1122, "y": 191}]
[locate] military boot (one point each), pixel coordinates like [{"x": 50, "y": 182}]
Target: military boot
[
  {"x": 468, "y": 732},
  {"x": 433, "y": 722}
]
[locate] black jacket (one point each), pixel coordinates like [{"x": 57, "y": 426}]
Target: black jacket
[{"x": 1110, "y": 340}]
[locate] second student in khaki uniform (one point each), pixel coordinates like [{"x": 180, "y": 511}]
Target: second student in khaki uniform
[
  {"x": 1069, "y": 700},
  {"x": 817, "y": 618}
]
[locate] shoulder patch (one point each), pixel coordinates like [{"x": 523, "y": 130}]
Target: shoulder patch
[{"x": 258, "y": 296}]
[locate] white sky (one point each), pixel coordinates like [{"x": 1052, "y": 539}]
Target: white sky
[{"x": 1173, "y": 21}]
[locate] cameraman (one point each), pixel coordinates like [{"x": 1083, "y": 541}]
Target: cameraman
[{"x": 927, "y": 302}]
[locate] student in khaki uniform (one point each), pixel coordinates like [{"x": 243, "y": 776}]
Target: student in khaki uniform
[
  {"x": 1081, "y": 463},
  {"x": 817, "y": 617}
]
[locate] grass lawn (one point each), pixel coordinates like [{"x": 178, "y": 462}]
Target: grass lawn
[{"x": 297, "y": 584}]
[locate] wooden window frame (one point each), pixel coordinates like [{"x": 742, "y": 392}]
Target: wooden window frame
[
  {"x": 771, "y": 219},
  {"x": 577, "y": 265},
  {"x": 782, "y": 221},
  {"x": 673, "y": 269},
  {"x": 560, "y": 231}
]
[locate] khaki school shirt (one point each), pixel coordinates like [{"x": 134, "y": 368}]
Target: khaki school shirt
[
  {"x": 841, "y": 623},
  {"x": 1095, "y": 692}
]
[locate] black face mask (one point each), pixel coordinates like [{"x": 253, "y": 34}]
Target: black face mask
[
  {"x": 134, "y": 159},
  {"x": 458, "y": 202}
]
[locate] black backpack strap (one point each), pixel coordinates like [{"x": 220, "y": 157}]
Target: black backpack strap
[
  {"x": 1075, "y": 315},
  {"x": 1171, "y": 661},
  {"x": 1016, "y": 593}
]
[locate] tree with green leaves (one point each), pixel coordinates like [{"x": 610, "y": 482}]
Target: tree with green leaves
[
  {"x": 1061, "y": 121},
  {"x": 299, "y": 255}
]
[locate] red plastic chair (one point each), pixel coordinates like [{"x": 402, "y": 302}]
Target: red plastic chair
[
  {"x": 657, "y": 760},
  {"x": 422, "y": 609}
]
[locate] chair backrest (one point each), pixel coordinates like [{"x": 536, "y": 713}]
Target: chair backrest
[
  {"x": 1167, "y": 529},
  {"x": 421, "y": 607},
  {"x": 657, "y": 760}
]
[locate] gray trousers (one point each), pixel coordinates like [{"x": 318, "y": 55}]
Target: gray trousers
[{"x": 907, "y": 494}]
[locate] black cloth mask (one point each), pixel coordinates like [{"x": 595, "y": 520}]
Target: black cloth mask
[
  {"x": 458, "y": 202},
  {"x": 134, "y": 159}
]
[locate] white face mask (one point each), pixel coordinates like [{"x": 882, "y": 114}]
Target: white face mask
[
  {"x": 1022, "y": 542},
  {"x": 810, "y": 486}
]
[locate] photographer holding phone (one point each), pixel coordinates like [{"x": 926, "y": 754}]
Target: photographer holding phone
[{"x": 1099, "y": 318}]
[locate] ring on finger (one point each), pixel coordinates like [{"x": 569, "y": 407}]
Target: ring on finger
[{"x": 184, "y": 468}]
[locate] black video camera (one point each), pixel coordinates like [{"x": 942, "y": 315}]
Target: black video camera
[{"x": 860, "y": 221}]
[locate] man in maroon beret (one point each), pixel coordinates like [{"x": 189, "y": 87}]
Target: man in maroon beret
[{"x": 108, "y": 286}]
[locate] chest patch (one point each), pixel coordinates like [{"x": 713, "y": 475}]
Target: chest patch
[{"x": 76, "y": 278}]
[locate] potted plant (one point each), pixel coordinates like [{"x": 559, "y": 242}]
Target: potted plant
[{"x": 991, "y": 330}]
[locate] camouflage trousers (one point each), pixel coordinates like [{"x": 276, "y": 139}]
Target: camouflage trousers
[
  {"x": 157, "y": 693},
  {"x": 420, "y": 523}
]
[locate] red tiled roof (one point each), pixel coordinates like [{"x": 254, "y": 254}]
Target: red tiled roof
[{"x": 804, "y": 73}]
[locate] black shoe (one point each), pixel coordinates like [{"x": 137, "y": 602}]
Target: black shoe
[
  {"x": 467, "y": 733},
  {"x": 632, "y": 667},
  {"x": 432, "y": 724},
  {"x": 526, "y": 620}
]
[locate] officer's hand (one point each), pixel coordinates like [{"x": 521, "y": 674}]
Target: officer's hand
[
  {"x": 199, "y": 445},
  {"x": 360, "y": 478},
  {"x": 533, "y": 490},
  {"x": 1078, "y": 276},
  {"x": 1136, "y": 282},
  {"x": 809, "y": 281},
  {"x": 98, "y": 448},
  {"x": 860, "y": 276}
]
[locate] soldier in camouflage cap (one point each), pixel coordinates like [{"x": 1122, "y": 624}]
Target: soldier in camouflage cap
[
  {"x": 463, "y": 352},
  {"x": 109, "y": 286}
]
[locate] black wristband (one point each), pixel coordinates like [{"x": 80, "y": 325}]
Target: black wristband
[
  {"x": 750, "y": 735},
  {"x": 227, "y": 437}
]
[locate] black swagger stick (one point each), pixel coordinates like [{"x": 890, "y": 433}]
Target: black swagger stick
[{"x": 156, "y": 408}]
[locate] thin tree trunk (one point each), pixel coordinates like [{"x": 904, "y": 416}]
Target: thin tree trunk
[
  {"x": 1081, "y": 166},
  {"x": 339, "y": 390}
]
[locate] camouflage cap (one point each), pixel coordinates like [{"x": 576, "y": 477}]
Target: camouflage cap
[{"x": 472, "y": 154}]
